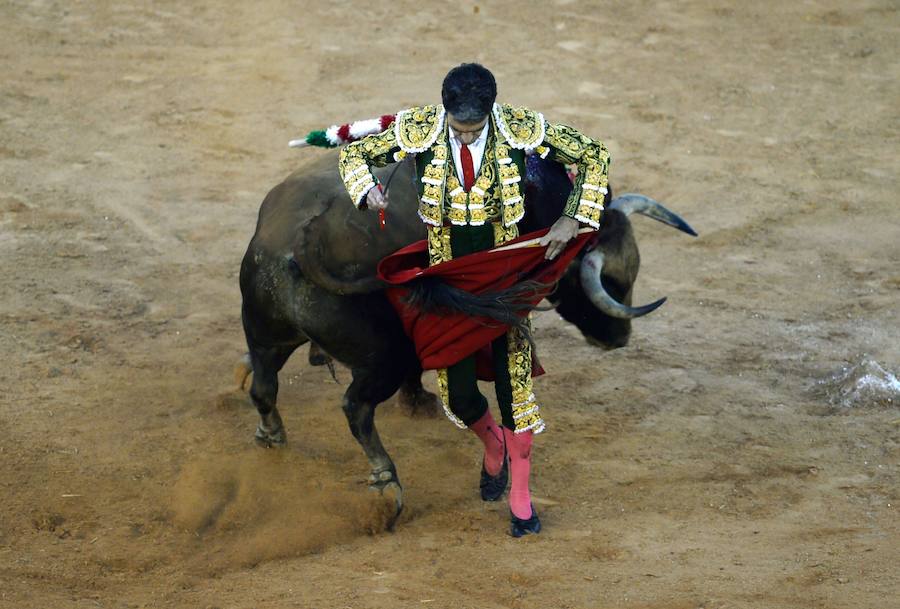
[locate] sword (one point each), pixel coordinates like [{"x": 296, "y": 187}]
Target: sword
[{"x": 536, "y": 242}]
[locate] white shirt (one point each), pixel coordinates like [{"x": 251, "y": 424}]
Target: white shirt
[{"x": 476, "y": 148}]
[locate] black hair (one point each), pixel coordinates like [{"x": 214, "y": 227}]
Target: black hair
[{"x": 468, "y": 92}]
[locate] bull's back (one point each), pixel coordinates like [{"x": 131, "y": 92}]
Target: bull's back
[
  {"x": 309, "y": 220},
  {"x": 310, "y": 217}
]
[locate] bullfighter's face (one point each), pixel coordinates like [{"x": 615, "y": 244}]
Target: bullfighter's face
[{"x": 465, "y": 132}]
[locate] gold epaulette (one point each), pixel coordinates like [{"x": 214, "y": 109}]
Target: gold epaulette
[
  {"x": 417, "y": 129},
  {"x": 523, "y": 129}
]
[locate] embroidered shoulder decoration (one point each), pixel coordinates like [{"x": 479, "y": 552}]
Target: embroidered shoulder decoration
[
  {"x": 417, "y": 129},
  {"x": 523, "y": 129}
]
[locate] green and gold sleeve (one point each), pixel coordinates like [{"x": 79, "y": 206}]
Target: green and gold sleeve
[
  {"x": 376, "y": 150},
  {"x": 566, "y": 145}
]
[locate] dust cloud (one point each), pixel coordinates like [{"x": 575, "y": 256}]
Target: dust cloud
[{"x": 260, "y": 505}]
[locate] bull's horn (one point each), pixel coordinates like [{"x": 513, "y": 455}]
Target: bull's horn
[
  {"x": 591, "y": 268},
  {"x": 633, "y": 203}
]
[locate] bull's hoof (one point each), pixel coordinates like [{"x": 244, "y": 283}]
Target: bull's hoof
[
  {"x": 420, "y": 403},
  {"x": 388, "y": 486},
  {"x": 266, "y": 438},
  {"x": 243, "y": 373}
]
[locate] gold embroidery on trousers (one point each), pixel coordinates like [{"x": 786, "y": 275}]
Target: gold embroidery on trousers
[
  {"x": 525, "y": 409},
  {"x": 443, "y": 390}
]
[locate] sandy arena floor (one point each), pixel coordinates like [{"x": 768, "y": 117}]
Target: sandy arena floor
[{"x": 713, "y": 463}]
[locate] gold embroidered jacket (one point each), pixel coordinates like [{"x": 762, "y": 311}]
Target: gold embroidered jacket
[{"x": 497, "y": 193}]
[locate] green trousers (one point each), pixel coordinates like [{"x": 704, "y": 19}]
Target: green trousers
[{"x": 466, "y": 401}]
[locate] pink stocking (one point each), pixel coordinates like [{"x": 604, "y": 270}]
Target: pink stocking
[
  {"x": 491, "y": 436},
  {"x": 519, "y": 448}
]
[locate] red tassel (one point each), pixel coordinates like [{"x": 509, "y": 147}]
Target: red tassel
[{"x": 381, "y": 214}]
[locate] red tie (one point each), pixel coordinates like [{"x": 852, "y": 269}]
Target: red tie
[{"x": 468, "y": 168}]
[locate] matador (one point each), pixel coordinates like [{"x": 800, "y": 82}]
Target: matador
[{"x": 470, "y": 160}]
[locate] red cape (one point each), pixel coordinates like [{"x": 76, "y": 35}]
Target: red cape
[{"x": 442, "y": 341}]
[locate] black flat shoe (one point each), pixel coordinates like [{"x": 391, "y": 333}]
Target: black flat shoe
[
  {"x": 492, "y": 487},
  {"x": 520, "y": 528}
]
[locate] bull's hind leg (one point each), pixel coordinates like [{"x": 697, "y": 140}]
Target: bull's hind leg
[
  {"x": 415, "y": 399},
  {"x": 266, "y": 363}
]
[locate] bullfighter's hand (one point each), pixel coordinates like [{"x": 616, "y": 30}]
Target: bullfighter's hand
[
  {"x": 562, "y": 231},
  {"x": 375, "y": 199}
]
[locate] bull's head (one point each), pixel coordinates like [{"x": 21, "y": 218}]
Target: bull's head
[{"x": 595, "y": 293}]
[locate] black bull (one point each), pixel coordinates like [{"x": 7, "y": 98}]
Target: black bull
[{"x": 309, "y": 275}]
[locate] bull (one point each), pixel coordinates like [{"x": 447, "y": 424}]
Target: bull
[{"x": 309, "y": 275}]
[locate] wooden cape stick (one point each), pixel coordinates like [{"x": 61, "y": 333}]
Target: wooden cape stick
[{"x": 534, "y": 242}]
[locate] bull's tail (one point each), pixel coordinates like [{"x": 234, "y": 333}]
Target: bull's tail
[{"x": 507, "y": 307}]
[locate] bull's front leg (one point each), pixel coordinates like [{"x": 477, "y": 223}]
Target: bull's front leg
[{"x": 365, "y": 392}]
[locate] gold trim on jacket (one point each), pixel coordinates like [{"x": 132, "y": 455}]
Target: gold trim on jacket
[{"x": 424, "y": 130}]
